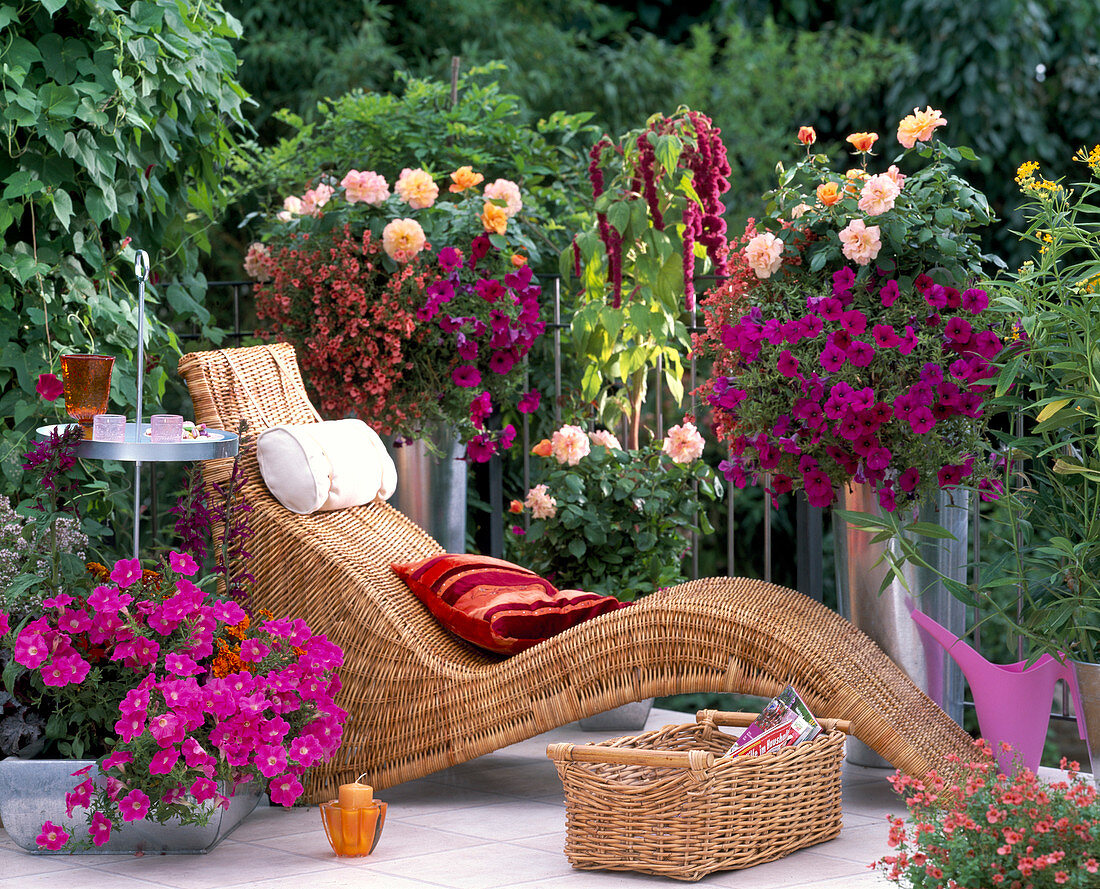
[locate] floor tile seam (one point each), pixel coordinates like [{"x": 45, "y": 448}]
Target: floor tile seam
[{"x": 408, "y": 819}]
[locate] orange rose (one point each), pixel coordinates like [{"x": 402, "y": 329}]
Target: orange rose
[
  {"x": 463, "y": 178},
  {"x": 542, "y": 449},
  {"x": 494, "y": 218},
  {"x": 807, "y": 135},
  {"x": 516, "y": 506},
  {"x": 862, "y": 142},
  {"x": 519, "y": 260},
  {"x": 854, "y": 178},
  {"x": 828, "y": 193}
]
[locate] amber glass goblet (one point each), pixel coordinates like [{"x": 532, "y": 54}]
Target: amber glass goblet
[{"x": 87, "y": 387}]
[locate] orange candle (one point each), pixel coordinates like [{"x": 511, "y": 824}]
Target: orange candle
[{"x": 356, "y": 796}]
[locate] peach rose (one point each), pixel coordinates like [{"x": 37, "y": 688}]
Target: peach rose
[
  {"x": 541, "y": 504},
  {"x": 605, "y": 438},
  {"x": 366, "y": 187},
  {"x": 897, "y": 175},
  {"x": 569, "y": 444},
  {"x": 417, "y": 188},
  {"x": 919, "y": 126},
  {"x": 861, "y": 241},
  {"x": 862, "y": 142},
  {"x": 800, "y": 210},
  {"x": 807, "y": 135},
  {"x": 519, "y": 260},
  {"x": 292, "y": 206},
  {"x": 494, "y": 218},
  {"x": 315, "y": 198},
  {"x": 542, "y": 449},
  {"x": 828, "y": 193},
  {"x": 463, "y": 178},
  {"x": 402, "y": 239},
  {"x": 854, "y": 177},
  {"x": 683, "y": 443},
  {"x": 507, "y": 191},
  {"x": 764, "y": 254},
  {"x": 878, "y": 195},
  {"x": 258, "y": 264}
]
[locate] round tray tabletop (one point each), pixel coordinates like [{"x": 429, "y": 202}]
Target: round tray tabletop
[{"x": 216, "y": 443}]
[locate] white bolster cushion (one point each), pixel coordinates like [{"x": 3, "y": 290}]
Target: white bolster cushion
[{"x": 325, "y": 466}]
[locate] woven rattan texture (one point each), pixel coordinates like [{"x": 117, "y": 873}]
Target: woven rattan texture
[
  {"x": 687, "y": 822},
  {"x": 420, "y": 699}
]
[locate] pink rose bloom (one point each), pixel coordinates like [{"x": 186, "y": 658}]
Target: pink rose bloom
[
  {"x": 764, "y": 254},
  {"x": 878, "y": 195},
  {"x": 605, "y": 438},
  {"x": 683, "y": 443},
  {"x": 366, "y": 187},
  {"x": 258, "y": 264},
  {"x": 569, "y": 444},
  {"x": 402, "y": 239},
  {"x": 292, "y": 206},
  {"x": 507, "y": 191},
  {"x": 919, "y": 126},
  {"x": 541, "y": 504},
  {"x": 861, "y": 241},
  {"x": 897, "y": 175},
  {"x": 417, "y": 188}
]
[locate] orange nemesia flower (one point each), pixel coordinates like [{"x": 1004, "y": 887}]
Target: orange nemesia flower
[
  {"x": 862, "y": 142},
  {"x": 807, "y": 135},
  {"x": 829, "y": 193}
]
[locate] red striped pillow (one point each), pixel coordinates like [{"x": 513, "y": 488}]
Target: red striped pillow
[{"x": 496, "y": 604}]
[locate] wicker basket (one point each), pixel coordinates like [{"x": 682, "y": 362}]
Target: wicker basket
[{"x": 668, "y": 802}]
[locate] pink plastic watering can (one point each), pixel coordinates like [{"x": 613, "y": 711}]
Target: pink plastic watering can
[{"x": 1013, "y": 703}]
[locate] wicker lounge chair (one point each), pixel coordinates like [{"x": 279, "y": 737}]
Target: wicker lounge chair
[{"x": 419, "y": 699}]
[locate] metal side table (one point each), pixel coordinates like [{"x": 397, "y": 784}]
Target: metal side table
[{"x": 138, "y": 448}]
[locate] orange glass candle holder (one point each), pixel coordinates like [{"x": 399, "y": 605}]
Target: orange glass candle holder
[
  {"x": 353, "y": 832},
  {"x": 87, "y": 387}
]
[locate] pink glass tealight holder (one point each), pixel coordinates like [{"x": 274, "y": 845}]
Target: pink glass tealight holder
[
  {"x": 109, "y": 427},
  {"x": 165, "y": 428}
]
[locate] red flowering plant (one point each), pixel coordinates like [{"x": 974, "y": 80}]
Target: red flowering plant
[
  {"x": 978, "y": 829},
  {"x": 658, "y": 222},
  {"x": 409, "y": 309},
  {"x": 854, "y": 352}
]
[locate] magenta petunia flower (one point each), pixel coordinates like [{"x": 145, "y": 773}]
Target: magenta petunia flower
[
  {"x": 30, "y": 648},
  {"x": 134, "y": 806},
  {"x": 49, "y": 387},
  {"x": 529, "y": 403},
  {"x": 100, "y": 828},
  {"x": 466, "y": 376},
  {"x": 832, "y": 359},
  {"x": 126, "y": 572},
  {"x": 957, "y": 330},
  {"x": 480, "y": 448},
  {"x": 921, "y": 420},
  {"x": 974, "y": 300},
  {"x": 228, "y": 613},
  {"x": 162, "y": 762},
  {"x": 203, "y": 789},
  {"x": 787, "y": 364},
  {"x": 284, "y": 790},
  {"x": 889, "y": 293},
  {"x": 182, "y": 563},
  {"x": 117, "y": 759},
  {"x": 270, "y": 759},
  {"x": 5, "y": 626},
  {"x": 860, "y": 354},
  {"x": 52, "y": 837}
]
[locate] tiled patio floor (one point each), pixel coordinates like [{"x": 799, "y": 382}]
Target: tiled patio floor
[{"x": 498, "y": 821}]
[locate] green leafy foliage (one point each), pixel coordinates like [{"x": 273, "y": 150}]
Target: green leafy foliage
[{"x": 116, "y": 117}]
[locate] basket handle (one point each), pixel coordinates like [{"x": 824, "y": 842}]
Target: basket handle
[
  {"x": 696, "y": 760},
  {"x": 743, "y": 720}
]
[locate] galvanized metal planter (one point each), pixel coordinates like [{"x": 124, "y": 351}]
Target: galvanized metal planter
[
  {"x": 885, "y": 617},
  {"x": 431, "y": 490},
  {"x": 1088, "y": 684},
  {"x": 32, "y": 791}
]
